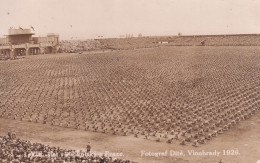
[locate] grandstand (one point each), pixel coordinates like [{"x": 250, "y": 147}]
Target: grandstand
[
  {"x": 20, "y": 42},
  {"x": 192, "y": 40},
  {"x": 155, "y": 41}
]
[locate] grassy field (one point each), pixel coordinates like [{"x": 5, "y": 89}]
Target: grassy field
[{"x": 181, "y": 94}]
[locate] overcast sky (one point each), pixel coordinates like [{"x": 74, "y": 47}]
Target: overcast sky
[{"x": 90, "y": 18}]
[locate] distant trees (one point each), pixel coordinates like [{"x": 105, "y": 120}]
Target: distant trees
[{"x": 128, "y": 35}]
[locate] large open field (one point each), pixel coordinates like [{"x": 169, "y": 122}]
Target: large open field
[{"x": 207, "y": 96}]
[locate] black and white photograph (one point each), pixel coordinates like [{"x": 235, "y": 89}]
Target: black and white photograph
[{"x": 129, "y": 81}]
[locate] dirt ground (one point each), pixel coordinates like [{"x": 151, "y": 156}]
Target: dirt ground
[
  {"x": 245, "y": 138},
  {"x": 49, "y": 84}
]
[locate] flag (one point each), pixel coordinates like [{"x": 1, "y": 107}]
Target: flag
[{"x": 32, "y": 28}]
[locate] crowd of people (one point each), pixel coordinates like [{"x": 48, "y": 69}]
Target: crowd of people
[
  {"x": 196, "y": 40},
  {"x": 164, "y": 97},
  {"x": 79, "y": 46},
  {"x": 15, "y": 150}
]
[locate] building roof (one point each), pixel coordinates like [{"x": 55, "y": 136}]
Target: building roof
[
  {"x": 20, "y": 31},
  {"x": 20, "y": 34}
]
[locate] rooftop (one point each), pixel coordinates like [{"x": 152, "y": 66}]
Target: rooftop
[{"x": 19, "y": 31}]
